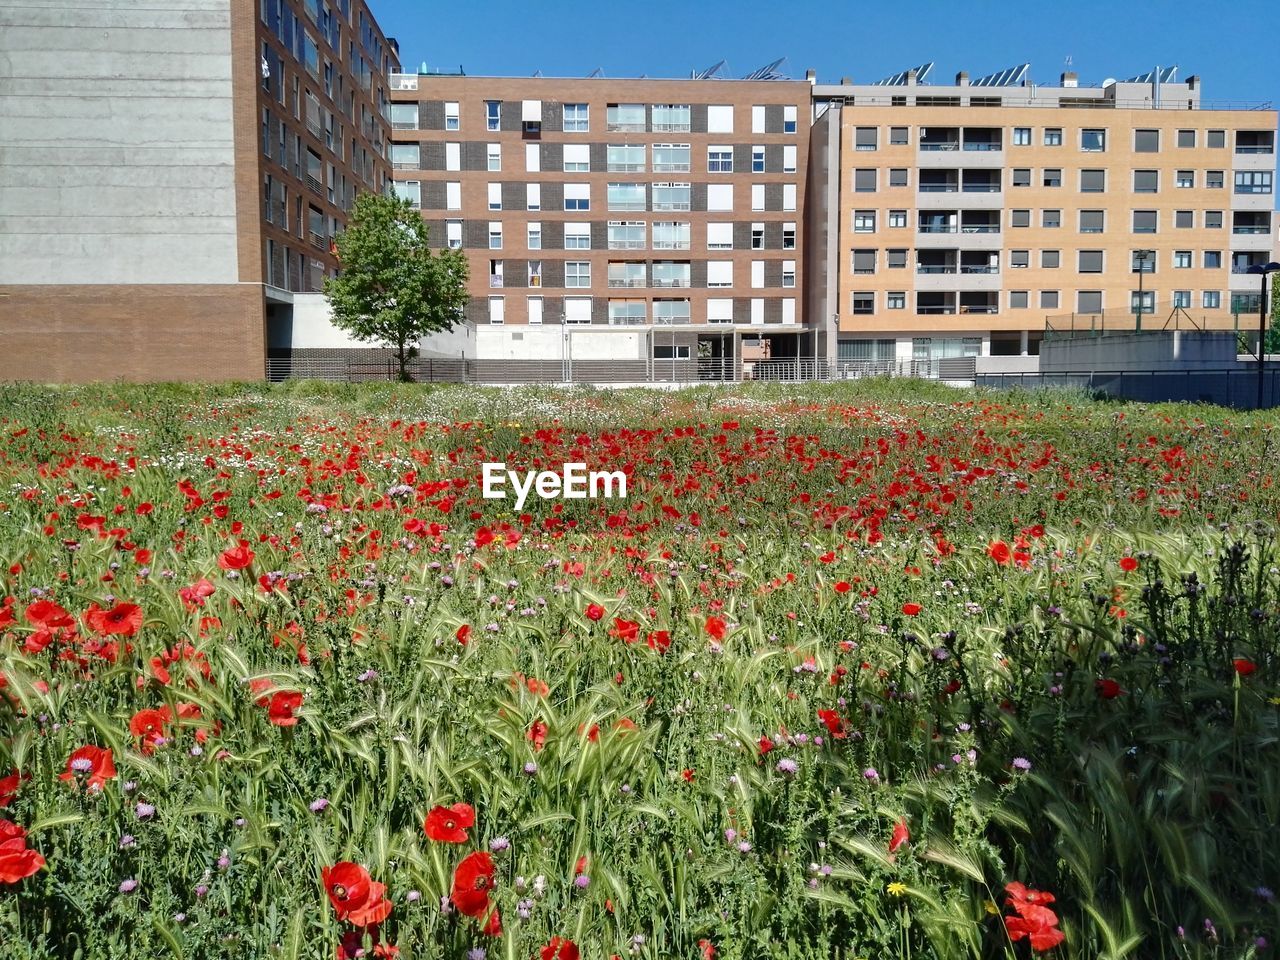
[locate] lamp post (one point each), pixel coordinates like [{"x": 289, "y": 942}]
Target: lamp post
[
  {"x": 1262, "y": 270},
  {"x": 1141, "y": 258}
]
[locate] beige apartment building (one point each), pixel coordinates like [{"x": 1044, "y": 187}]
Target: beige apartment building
[
  {"x": 617, "y": 220},
  {"x": 962, "y": 220}
]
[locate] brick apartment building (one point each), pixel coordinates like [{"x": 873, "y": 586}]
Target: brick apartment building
[
  {"x": 171, "y": 176},
  {"x": 664, "y": 215}
]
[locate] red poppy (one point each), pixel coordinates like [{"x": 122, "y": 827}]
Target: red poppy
[
  {"x": 595, "y": 611},
  {"x": 9, "y": 788},
  {"x": 150, "y": 726},
  {"x": 715, "y": 626},
  {"x": 17, "y": 861},
  {"x": 374, "y": 910},
  {"x": 195, "y": 595},
  {"x": 624, "y": 630},
  {"x": 1244, "y": 666},
  {"x": 1033, "y": 920},
  {"x": 1108, "y": 689},
  {"x": 537, "y": 734},
  {"x": 999, "y": 552},
  {"x": 708, "y": 949},
  {"x": 834, "y": 723},
  {"x": 558, "y": 948},
  {"x": 1128, "y": 564},
  {"x": 236, "y": 558},
  {"x": 900, "y": 836},
  {"x": 46, "y": 613},
  {"x": 449, "y": 824},
  {"x": 348, "y": 885},
  {"x": 463, "y": 634},
  {"x": 765, "y": 745},
  {"x": 911, "y": 609},
  {"x": 123, "y": 619},
  {"x": 91, "y": 765},
  {"x": 659, "y": 640},
  {"x": 280, "y": 705},
  {"x": 472, "y": 881},
  {"x": 843, "y": 586}
]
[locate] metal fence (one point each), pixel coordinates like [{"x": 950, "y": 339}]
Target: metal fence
[{"x": 1224, "y": 387}]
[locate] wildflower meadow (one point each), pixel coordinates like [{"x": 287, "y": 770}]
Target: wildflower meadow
[{"x": 852, "y": 671}]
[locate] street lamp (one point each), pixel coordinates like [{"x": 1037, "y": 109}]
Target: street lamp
[
  {"x": 1262, "y": 270},
  {"x": 1141, "y": 258}
]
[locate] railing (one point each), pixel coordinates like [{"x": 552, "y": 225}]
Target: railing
[
  {"x": 403, "y": 81},
  {"x": 669, "y": 205},
  {"x": 673, "y": 320},
  {"x": 1244, "y": 268},
  {"x": 629, "y": 282},
  {"x": 985, "y": 310},
  {"x": 981, "y": 188},
  {"x": 1265, "y": 148},
  {"x": 939, "y": 188},
  {"x": 318, "y": 240},
  {"x": 625, "y": 167},
  {"x": 612, "y": 127},
  {"x": 980, "y": 228},
  {"x": 628, "y": 206},
  {"x": 627, "y": 245},
  {"x": 1251, "y": 230},
  {"x": 671, "y": 168},
  {"x": 983, "y": 269},
  {"x": 314, "y": 184},
  {"x": 671, "y": 244},
  {"x": 671, "y": 283},
  {"x": 937, "y": 228},
  {"x": 935, "y": 147},
  {"x": 406, "y": 165},
  {"x": 672, "y": 127},
  {"x": 1227, "y": 387},
  {"x": 936, "y": 310},
  {"x": 402, "y": 125},
  {"x": 982, "y": 147},
  {"x": 934, "y": 268}
]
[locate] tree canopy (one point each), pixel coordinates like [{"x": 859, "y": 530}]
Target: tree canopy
[{"x": 392, "y": 290}]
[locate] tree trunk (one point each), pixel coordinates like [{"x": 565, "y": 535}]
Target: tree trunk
[{"x": 402, "y": 356}]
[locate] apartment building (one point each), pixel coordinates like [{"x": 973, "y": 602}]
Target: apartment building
[
  {"x": 618, "y": 219},
  {"x": 963, "y": 219},
  {"x": 171, "y": 177}
]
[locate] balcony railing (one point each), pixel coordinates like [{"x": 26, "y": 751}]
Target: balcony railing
[
  {"x": 980, "y": 228},
  {"x": 625, "y": 167},
  {"x": 671, "y": 283},
  {"x": 629, "y": 206},
  {"x": 981, "y": 188},
  {"x": 671, "y": 168},
  {"x": 932, "y": 147},
  {"x": 671, "y": 244},
  {"x": 939, "y": 187},
  {"x": 661, "y": 205},
  {"x": 936, "y": 310},
  {"x": 1262, "y": 230},
  {"x": 934, "y": 268},
  {"x": 315, "y": 185},
  {"x": 613, "y": 127},
  {"x": 404, "y": 125},
  {"x": 1259, "y": 148},
  {"x": 987, "y": 310},
  {"x": 982, "y": 147},
  {"x": 627, "y": 244},
  {"x": 667, "y": 321},
  {"x": 937, "y": 228},
  {"x": 495, "y": 280},
  {"x": 1242, "y": 267},
  {"x": 319, "y": 240},
  {"x": 671, "y": 127},
  {"x": 979, "y": 269},
  {"x": 407, "y": 165},
  {"x": 627, "y": 282}
]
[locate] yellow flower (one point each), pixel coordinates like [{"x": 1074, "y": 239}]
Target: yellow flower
[
  {"x": 1275, "y": 701},
  {"x": 897, "y": 889},
  {"x": 990, "y": 907}
]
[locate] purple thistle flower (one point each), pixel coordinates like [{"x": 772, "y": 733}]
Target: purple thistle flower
[{"x": 128, "y": 886}]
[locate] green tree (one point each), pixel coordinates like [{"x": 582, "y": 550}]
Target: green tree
[
  {"x": 392, "y": 289},
  {"x": 1273, "y": 333}
]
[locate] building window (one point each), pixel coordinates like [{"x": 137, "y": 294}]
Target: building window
[
  {"x": 626, "y": 312},
  {"x": 495, "y": 235},
  {"x": 406, "y": 156},
  {"x": 720, "y": 196},
  {"x": 864, "y": 181},
  {"x": 453, "y": 156},
  {"x": 495, "y": 273},
  {"x": 1211, "y": 299},
  {"x": 757, "y": 159},
  {"x": 1142, "y": 261},
  {"x": 1048, "y": 299},
  {"x": 533, "y": 236},
  {"x": 1093, "y": 140},
  {"x": 533, "y": 196},
  {"x": 577, "y": 309},
  {"x": 670, "y": 235},
  {"x": 577, "y": 274},
  {"x": 1182, "y": 298},
  {"x": 789, "y": 118},
  {"x": 719, "y": 118},
  {"x": 758, "y": 116},
  {"x": 493, "y": 114},
  {"x": 1185, "y": 179},
  {"x": 577, "y": 236},
  {"x": 896, "y": 300},
  {"x": 575, "y": 118},
  {"x": 897, "y": 218},
  {"x": 625, "y": 158},
  {"x": 1052, "y": 177},
  {"x": 671, "y": 311},
  {"x": 495, "y": 196},
  {"x": 404, "y": 116},
  {"x": 1092, "y": 221},
  {"x": 719, "y": 236},
  {"x": 497, "y": 309},
  {"x": 1146, "y": 141},
  {"x": 864, "y": 261},
  {"x": 627, "y": 117},
  {"x": 535, "y": 309},
  {"x": 1019, "y": 218},
  {"x": 899, "y": 136},
  {"x": 788, "y": 196},
  {"x": 670, "y": 118},
  {"x": 453, "y": 234},
  {"x": 1017, "y": 299},
  {"x": 1021, "y": 177},
  {"x": 863, "y": 303},
  {"x": 630, "y": 196},
  {"x": 1093, "y": 181},
  {"x": 1216, "y": 139},
  {"x": 1022, "y": 136},
  {"x": 864, "y": 221},
  {"x": 577, "y": 196},
  {"x": 757, "y": 274},
  {"x": 788, "y": 236},
  {"x": 1186, "y": 138},
  {"x": 719, "y": 273},
  {"x": 1050, "y": 259},
  {"x": 898, "y": 177},
  {"x": 627, "y": 235},
  {"x": 1213, "y": 259},
  {"x": 1090, "y": 261},
  {"x": 1182, "y": 259},
  {"x": 896, "y": 259},
  {"x": 788, "y": 158},
  {"x": 1019, "y": 258},
  {"x": 1053, "y": 136},
  {"x": 865, "y": 138},
  {"x": 719, "y": 159},
  {"x": 577, "y": 158},
  {"x": 671, "y": 157},
  {"x": 1089, "y": 301},
  {"x": 1146, "y": 181},
  {"x": 1213, "y": 179},
  {"x": 493, "y": 157},
  {"x": 1253, "y": 181},
  {"x": 410, "y": 190},
  {"x": 757, "y": 236},
  {"x": 788, "y": 273},
  {"x": 1213, "y": 219},
  {"x": 1184, "y": 219},
  {"x": 1144, "y": 221},
  {"x": 452, "y": 120},
  {"x": 671, "y": 196}
]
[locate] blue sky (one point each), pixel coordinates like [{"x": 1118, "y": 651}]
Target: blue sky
[{"x": 1231, "y": 45}]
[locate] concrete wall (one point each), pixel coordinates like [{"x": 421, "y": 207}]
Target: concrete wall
[
  {"x": 116, "y": 163},
  {"x": 527, "y": 342},
  {"x": 1172, "y": 350},
  {"x": 306, "y": 325},
  {"x": 1007, "y": 364}
]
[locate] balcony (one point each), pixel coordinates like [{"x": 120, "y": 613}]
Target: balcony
[
  {"x": 678, "y": 282},
  {"x": 319, "y": 240},
  {"x": 627, "y": 245},
  {"x": 670, "y": 245},
  {"x": 628, "y": 282},
  {"x": 684, "y": 127},
  {"x": 668, "y": 205},
  {"x": 314, "y": 185}
]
